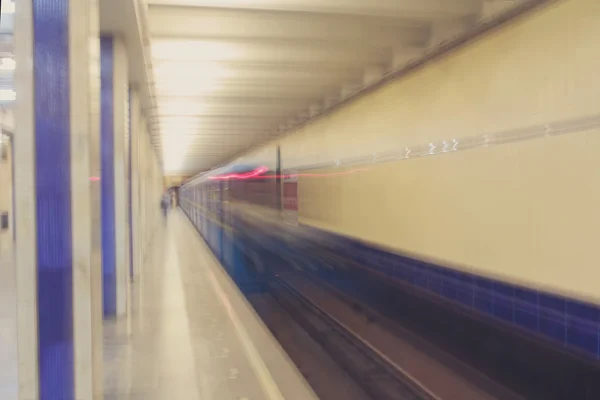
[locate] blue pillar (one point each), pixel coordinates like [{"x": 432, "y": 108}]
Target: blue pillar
[
  {"x": 107, "y": 161},
  {"x": 54, "y": 155},
  {"x": 53, "y": 198},
  {"x": 114, "y": 126},
  {"x": 130, "y": 182}
]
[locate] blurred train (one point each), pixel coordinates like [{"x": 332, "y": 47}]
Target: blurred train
[{"x": 248, "y": 215}]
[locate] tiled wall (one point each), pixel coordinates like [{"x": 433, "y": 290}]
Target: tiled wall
[{"x": 568, "y": 323}]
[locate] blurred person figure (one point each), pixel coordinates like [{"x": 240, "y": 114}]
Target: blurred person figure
[
  {"x": 173, "y": 198},
  {"x": 165, "y": 202}
]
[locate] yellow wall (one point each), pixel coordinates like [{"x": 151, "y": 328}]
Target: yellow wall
[{"x": 528, "y": 212}]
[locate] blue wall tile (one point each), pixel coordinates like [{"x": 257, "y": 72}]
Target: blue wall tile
[
  {"x": 527, "y": 297},
  {"x": 584, "y": 311},
  {"x": 465, "y": 296},
  {"x": 553, "y": 328},
  {"x": 502, "y": 308},
  {"x": 483, "y": 302},
  {"x": 449, "y": 290},
  {"x": 484, "y": 283},
  {"x": 552, "y": 303},
  {"x": 526, "y": 317},
  {"x": 583, "y": 337},
  {"x": 435, "y": 284}
]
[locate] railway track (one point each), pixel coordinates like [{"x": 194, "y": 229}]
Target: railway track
[
  {"x": 376, "y": 375},
  {"x": 294, "y": 278}
]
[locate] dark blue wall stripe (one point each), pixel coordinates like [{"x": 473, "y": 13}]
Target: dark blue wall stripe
[
  {"x": 130, "y": 188},
  {"x": 107, "y": 156},
  {"x": 53, "y": 199},
  {"x": 569, "y": 323}
]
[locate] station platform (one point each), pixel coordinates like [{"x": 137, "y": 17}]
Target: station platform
[{"x": 191, "y": 334}]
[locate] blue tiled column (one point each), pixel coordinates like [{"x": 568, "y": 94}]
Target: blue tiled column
[
  {"x": 130, "y": 182},
  {"x": 107, "y": 162},
  {"x": 114, "y": 129},
  {"x": 53, "y": 198}
]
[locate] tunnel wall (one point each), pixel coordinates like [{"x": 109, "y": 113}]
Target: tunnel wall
[{"x": 524, "y": 212}]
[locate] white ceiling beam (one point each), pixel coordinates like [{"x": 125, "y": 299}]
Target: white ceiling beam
[
  {"x": 233, "y": 102},
  {"x": 420, "y": 9},
  {"x": 197, "y": 22},
  {"x": 215, "y": 146},
  {"x": 166, "y": 70},
  {"x": 214, "y": 133},
  {"x": 223, "y": 100},
  {"x": 248, "y": 110},
  {"x": 216, "y": 122},
  {"x": 217, "y": 130},
  {"x": 247, "y": 91},
  {"x": 239, "y": 44},
  {"x": 203, "y": 141},
  {"x": 199, "y": 82},
  {"x": 208, "y": 149},
  {"x": 253, "y": 66},
  {"x": 277, "y": 52}
]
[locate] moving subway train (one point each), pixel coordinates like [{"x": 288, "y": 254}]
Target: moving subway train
[{"x": 248, "y": 215}]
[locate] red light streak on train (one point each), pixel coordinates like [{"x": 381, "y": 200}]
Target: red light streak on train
[{"x": 257, "y": 174}]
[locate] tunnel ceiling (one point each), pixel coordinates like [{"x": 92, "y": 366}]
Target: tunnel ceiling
[{"x": 229, "y": 74}]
